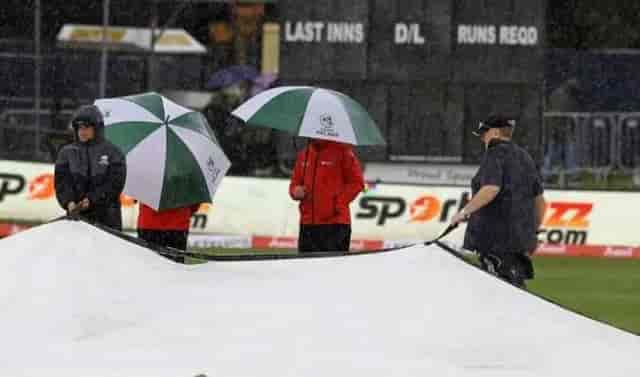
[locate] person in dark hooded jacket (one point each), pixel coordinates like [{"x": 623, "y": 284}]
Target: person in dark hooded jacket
[{"x": 90, "y": 172}]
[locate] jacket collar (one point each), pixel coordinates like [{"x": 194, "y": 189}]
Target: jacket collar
[
  {"x": 496, "y": 142},
  {"x": 326, "y": 145}
]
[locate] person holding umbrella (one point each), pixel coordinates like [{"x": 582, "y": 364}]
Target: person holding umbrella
[
  {"x": 327, "y": 174},
  {"x": 174, "y": 162},
  {"x": 90, "y": 172},
  {"x": 168, "y": 227},
  {"x": 326, "y": 178}
]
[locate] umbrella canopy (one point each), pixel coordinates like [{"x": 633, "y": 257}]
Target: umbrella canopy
[
  {"x": 173, "y": 157},
  {"x": 232, "y": 75},
  {"x": 311, "y": 112},
  {"x": 262, "y": 83}
]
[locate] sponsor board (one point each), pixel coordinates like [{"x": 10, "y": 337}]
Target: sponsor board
[
  {"x": 10, "y": 184},
  {"x": 205, "y": 241},
  {"x": 208, "y": 241},
  {"x": 268, "y": 242},
  {"x": 595, "y": 251},
  {"x": 245, "y": 206},
  {"x": 572, "y": 217},
  {"x": 27, "y": 194},
  {"x": 545, "y": 249},
  {"x": 618, "y": 252},
  {"x": 7, "y": 229},
  {"x": 567, "y": 222},
  {"x": 366, "y": 245},
  {"x": 551, "y": 249},
  {"x": 413, "y": 173},
  {"x": 395, "y": 244}
]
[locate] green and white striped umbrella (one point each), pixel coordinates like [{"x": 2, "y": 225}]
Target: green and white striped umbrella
[
  {"x": 173, "y": 157},
  {"x": 311, "y": 112}
]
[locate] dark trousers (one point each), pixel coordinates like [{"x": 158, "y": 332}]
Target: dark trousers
[
  {"x": 324, "y": 237},
  {"x": 512, "y": 267},
  {"x": 107, "y": 216},
  {"x": 176, "y": 239}
]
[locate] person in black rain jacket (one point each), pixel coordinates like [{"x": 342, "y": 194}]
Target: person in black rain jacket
[
  {"x": 90, "y": 172},
  {"x": 507, "y": 206}
]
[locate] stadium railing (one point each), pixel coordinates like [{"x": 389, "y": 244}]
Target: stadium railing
[{"x": 596, "y": 143}]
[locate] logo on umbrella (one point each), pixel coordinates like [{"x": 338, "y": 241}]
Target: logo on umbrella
[
  {"x": 212, "y": 170},
  {"x": 326, "y": 120},
  {"x": 327, "y": 126}
]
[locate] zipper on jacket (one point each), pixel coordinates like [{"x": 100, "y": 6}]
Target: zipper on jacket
[
  {"x": 88, "y": 169},
  {"x": 313, "y": 190}
]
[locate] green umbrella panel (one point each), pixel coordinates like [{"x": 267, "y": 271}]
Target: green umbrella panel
[
  {"x": 311, "y": 112},
  {"x": 173, "y": 157}
]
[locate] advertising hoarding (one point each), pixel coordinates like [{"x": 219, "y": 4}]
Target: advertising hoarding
[{"x": 250, "y": 206}]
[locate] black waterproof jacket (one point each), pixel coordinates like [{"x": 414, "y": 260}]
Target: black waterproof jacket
[
  {"x": 95, "y": 170},
  {"x": 508, "y": 223}
]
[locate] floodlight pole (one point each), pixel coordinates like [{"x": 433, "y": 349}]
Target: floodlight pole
[
  {"x": 152, "y": 46},
  {"x": 105, "y": 54},
  {"x": 154, "y": 38},
  {"x": 37, "y": 74}
]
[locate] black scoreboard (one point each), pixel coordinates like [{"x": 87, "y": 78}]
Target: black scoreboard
[
  {"x": 428, "y": 70},
  {"x": 324, "y": 39}
]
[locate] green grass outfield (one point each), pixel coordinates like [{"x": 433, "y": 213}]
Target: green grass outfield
[{"x": 601, "y": 288}]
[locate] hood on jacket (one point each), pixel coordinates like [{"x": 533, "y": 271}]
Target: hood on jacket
[{"x": 88, "y": 114}]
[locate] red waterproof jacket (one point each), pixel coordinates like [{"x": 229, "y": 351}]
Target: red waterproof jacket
[
  {"x": 170, "y": 219},
  {"x": 332, "y": 178}
]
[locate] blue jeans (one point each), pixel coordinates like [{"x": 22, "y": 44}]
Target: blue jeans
[{"x": 561, "y": 155}]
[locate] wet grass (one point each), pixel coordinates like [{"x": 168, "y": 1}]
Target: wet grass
[{"x": 601, "y": 288}]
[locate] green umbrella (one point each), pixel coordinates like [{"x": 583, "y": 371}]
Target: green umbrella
[
  {"x": 173, "y": 157},
  {"x": 311, "y": 112}
]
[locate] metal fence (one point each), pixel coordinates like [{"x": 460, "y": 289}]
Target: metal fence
[
  {"x": 575, "y": 146},
  {"x": 18, "y": 133},
  {"x": 76, "y": 75},
  {"x": 70, "y": 79},
  {"x": 598, "y": 143}
]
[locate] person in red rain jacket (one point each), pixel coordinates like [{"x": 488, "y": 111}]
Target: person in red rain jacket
[
  {"x": 167, "y": 227},
  {"x": 326, "y": 178}
]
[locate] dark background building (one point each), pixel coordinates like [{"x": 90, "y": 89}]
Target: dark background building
[{"x": 428, "y": 70}]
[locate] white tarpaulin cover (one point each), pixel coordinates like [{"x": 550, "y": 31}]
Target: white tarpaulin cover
[{"x": 76, "y": 301}]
